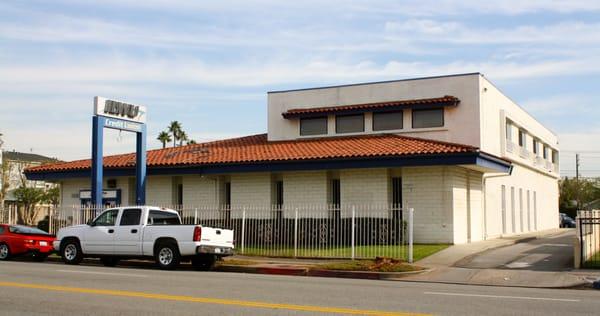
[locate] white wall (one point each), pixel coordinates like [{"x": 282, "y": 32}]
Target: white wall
[{"x": 460, "y": 121}]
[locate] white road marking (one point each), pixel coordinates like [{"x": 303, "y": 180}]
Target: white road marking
[
  {"x": 502, "y": 296},
  {"x": 104, "y": 273}
]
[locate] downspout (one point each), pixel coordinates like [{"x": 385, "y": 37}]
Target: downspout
[{"x": 484, "y": 181}]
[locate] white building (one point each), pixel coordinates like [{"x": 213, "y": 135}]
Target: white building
[{"x": 471, "y": 162}]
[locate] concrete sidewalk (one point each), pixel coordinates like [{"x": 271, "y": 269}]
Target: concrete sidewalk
[{"x": 453, "y": 254}]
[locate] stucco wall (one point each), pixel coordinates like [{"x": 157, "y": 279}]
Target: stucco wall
[{"x": 461, "y": 122}]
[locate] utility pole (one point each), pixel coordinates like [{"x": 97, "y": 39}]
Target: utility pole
[
  {"x": 577, "y": 167},
  {"x": 577, "y": 181}
]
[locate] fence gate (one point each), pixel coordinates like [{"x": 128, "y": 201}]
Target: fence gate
[{"x": 588, "y": 230}]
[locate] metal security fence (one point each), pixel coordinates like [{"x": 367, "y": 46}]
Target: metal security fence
[
  {"x": 304, "y": 231},
  {"x": 588, "y": 233}
]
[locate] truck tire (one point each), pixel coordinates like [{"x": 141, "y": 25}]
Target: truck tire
[
  {"x": 71, "y": 252},
  {"x": 109, "y": 261},
  {"x": 204, "y": 262},
  {"x": 167, "y": 256}
]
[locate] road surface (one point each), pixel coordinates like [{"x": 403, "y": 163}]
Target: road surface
[
  {"x": 554, "y": 253},
  {"x": 57, "y": 289}
]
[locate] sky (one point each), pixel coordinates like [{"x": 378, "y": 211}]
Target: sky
[{"x": 209, "y": 64}]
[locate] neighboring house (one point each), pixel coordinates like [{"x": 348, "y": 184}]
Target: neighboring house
[
  {"x": 472, "y": 163},
  {"x": 14, "y": 163}
]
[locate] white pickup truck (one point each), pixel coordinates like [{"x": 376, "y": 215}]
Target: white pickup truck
[{"x": 144, "y": 231}]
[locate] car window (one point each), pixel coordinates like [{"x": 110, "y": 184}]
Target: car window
[
  {"x": 1, "y": 230},
  {"x": 131, "y": 217},
  {"x": 107, "y": 218},
  {"x": 26, "y": 230},
  {"x": 163, "y": 218}
]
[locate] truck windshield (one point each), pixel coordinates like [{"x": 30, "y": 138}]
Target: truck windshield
[{"x": 163, "y": 218}]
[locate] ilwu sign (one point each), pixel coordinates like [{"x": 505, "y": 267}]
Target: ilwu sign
[
  {"x": 119, "y": 110},
  {"x": 122, "y": 116}
]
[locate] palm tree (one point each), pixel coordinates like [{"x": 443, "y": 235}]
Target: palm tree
[
  {"x": 175, "y": 129},
  {"x": 182, "y": 137},
  {"x": 164, "y": 137}
]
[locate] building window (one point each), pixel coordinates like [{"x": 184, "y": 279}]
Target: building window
[
  {"x": 179, "y": 195},
  {"x": 554, "y": 156},
  {"x": 522, "y": 139},
  {"x": 545, "y": 151},
  {"x": 521, "y": 209},
  {"x": 349, "y": 123},
  {"x": 397, "y": 198},
  {"x": 427, "y": 118},
  {"x": 227, "y": 198},
  {"x": 313, "y": 126},
  {"x": 512, "y": 209},
  {"x": 508, "y": 131},
  {"x": 387, "y": 121},
  {"x": 279, "y": 195},
  {"x": 336, "y": 198},
  {"x": 535, "y": 147}
]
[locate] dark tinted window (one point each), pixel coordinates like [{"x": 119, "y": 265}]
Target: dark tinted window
[
  {"x": 386, "y": 121},
  {"x": 313, "y": 126},
  {"x": 131, "y": 217},
  {"x": 26, "y": 230},
  {"x": 1, "y": 230},
  {"x": 350, "y": 123},
  {"x": 427, "y": 118},
  {"x": 163, "y": 218},
  {"x": 107, "y": 218}
]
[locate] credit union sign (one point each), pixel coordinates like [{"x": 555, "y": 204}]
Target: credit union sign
[{"x": 119, "y": 110}]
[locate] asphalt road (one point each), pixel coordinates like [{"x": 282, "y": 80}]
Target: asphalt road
[
  {"x": 56, "y": 289},
  {"x": 554, "y": 253}
]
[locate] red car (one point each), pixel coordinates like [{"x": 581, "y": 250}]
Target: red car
[{"x": 18, "y": 240}]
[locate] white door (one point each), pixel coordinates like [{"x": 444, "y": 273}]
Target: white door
[
  {"x": 129, "y": 232},
  {"x": 100, "y": 236}
]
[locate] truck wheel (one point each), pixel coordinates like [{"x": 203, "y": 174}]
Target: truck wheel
[
  {"x": 167, "y": 256},
  {"x": 204, "y": 262},
  {"x": 109, "y": 261},
  {"x": 4, "y": 252},
  {"x": 71, "y": 252}
]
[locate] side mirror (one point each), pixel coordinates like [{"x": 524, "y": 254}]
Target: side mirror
[{"x": 91, "y": 223}]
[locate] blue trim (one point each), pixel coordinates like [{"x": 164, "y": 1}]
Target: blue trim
[
  {"x": 472, "y": 158},
  {"x": 97, "y": 158},
  {"x": 140, "y": 167}
]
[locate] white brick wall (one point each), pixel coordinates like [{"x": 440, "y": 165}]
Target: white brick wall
[
  {"x": 364, "y": 186},
  {"x": 200, "y": 191},
  {"x": 251, "y": 189},
  {"x": 305, "y": 187},
  {"x": 159, "y": 190}
]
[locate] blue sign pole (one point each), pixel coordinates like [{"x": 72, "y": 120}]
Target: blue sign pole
[
  {"x": 140, "y": 167},
  {"x": 97, "y": 163}
]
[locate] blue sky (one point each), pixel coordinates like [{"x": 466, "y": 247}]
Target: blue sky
[{"x": 209, "y": 64}]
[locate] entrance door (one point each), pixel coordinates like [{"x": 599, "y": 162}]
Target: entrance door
[{"x": 99, "y": 238}]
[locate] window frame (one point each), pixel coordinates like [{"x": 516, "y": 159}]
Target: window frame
[
  {"x": 139, "y": 221},
  {"x": 536, "y": 143},
  {"x": 508, "y": 130},
  {"x": 374, "y": 114},
  {"x": 427, "y": 110},
  {"x": 362, "y": 126},
  {"x": 95, "y": 222},
  {"x": 302, "y": 119},
  {"x": 522, "y": 138}
]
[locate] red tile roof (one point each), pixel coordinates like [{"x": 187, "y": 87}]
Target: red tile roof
[
  {"x": 257, "y": 149},
  {"x": 447, "y": 100}
]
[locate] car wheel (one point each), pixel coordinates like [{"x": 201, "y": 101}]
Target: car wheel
[
  {"x": 39, "y": 257},
  {"x": 167, "y": 256},
  {"x": 204, "y": 262},
  {"x": 109, "y": 261},
  {"x": 71, "y": 252},
  {"x": 4, "y": 252}
]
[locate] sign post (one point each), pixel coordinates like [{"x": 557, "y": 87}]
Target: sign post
[{"x": 124, "y": 117}]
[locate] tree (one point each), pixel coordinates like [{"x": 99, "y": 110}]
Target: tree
[
  {"x": 182, "y": 138},
  {"x": 28, "y": 199},
  {"x": 52, "y": 196},
  {"x": 175, "y": 129},
  {"x": 164, "y": 137},
  {"x": 191, "y": 142},
  {"x": 576, "y": 193}
]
